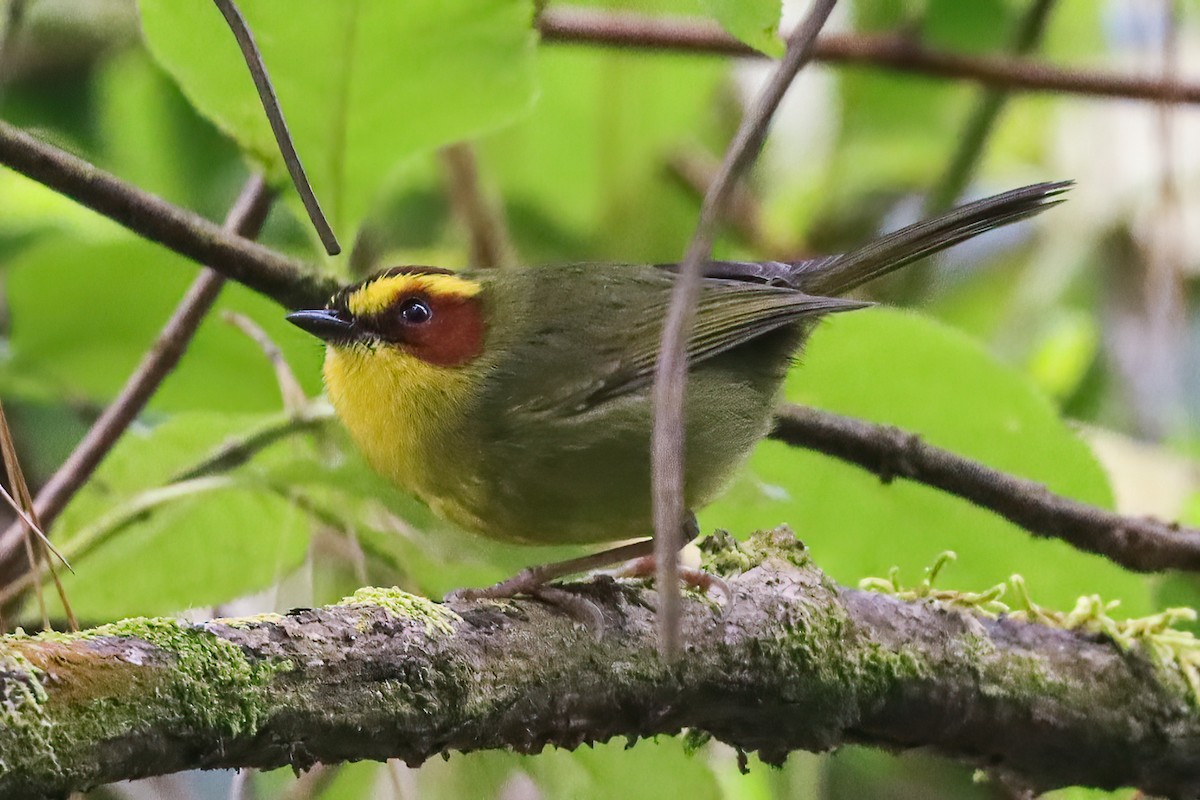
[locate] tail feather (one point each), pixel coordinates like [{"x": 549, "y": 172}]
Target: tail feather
[{"x": 834, "y": 275}]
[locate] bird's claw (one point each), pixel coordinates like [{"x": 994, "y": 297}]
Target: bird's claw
[
  {"x": 529, "y": 583},
  {"x": 692, "y": 577}
]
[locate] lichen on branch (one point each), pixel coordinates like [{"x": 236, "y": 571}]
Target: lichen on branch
[{"x": 797, "y": 662}]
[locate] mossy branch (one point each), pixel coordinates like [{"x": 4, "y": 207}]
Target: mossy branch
[{"x": 797, "y": 663}]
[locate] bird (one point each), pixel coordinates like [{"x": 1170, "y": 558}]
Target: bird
[{"x": 516, "y": 402}]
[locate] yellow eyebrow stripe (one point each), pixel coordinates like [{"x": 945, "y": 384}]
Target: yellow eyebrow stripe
[{"x": 377, "y": 295}]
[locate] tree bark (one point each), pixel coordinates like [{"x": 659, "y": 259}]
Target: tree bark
[{"x": 797, "y": 663}]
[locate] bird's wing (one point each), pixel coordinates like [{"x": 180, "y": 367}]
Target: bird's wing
[
  {"x": 729, "y": 313},
  {"x": 600, "y": 344}
]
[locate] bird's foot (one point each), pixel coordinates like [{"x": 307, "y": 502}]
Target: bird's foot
[
  {"x": 526, "y": 582},
  {"x": 534, "y": 582},
  {"x": 691, "y": 577},
  {"x": 529, "y": 580}
]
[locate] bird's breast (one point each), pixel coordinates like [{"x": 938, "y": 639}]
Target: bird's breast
[{"x": 401, "y": 411}]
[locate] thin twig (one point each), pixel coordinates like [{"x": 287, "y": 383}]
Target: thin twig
[
  {"x": 972, "y": 144},
  {"x": 291, "y": 283},
  {"x": 290, "y": 390},
  {"x": 667, "y": 446},
  {"x": 24, "y": 511},
  {"x": 38, "y": 548},
  {"x": 479, "y": 213},
  {"x": 896, "y": 52},
  {"x": 237, "y": 451},
  {"x": 695, "y": 170},
  {"x": 244, "y": 219},
  {"x": 1137, "y": 543},
  {"x": 283, "y": 137},
  {"x": 984, "y": 115},
  {"x": 29, "y": 521}
]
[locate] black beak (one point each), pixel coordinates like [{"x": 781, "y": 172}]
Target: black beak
[{"x": 325, "y": 324}]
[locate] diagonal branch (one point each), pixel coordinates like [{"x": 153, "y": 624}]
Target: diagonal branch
[
  {"x": 670, "y": 375},
  {"x": 283, "y": 137},
  {"x": 887, "y": 51},
  {"x": 291, "y": 283},
  {"x": 245, "y": 219},
  {"x": 796, "y": 663},
  {"x": 1137, "y": 543},
  {"x": 479, "y": 213}
]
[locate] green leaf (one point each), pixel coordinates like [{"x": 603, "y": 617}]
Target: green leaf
[
  {"x": 364, "y": 84},
  {"x": 584, "y": 175},
  {"x": 1064, "y": 353},
  {"x": 897, "y": 368},
  {"x": 754, "y": 22},
  {"x": 197, "y": 551},
  {"x": 31, "y": 209},
  {"x": 85, "y": 313},
  {"x": 141, "y": 546},
  {"x": 153, "y": 138},
  {"x": 857, "y": 771}
]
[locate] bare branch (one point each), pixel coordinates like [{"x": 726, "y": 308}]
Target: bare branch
[
  {"x": 245, "y": 219},
  {"x": 481, "y": 215},
  {"x": 694, "y": 169},
  {"x": 291, "y": 283},
  {"x": 796, "y": 663},
  {"x": 290, "y": 391},
  {"x": 283, "y": 137},
  {"x": 1141, "y": 544},
  {"x": 896, "y": 52},
  {"x": 988, "y": 107},
  {"x": 670, "y": 377}
]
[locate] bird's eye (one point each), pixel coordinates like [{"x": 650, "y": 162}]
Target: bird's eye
[{"x": 415, "y": 311}]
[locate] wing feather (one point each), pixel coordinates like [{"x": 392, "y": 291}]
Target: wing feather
[
  {"x": 602, "y": 343},
  {"x": 728, "y": 315}
]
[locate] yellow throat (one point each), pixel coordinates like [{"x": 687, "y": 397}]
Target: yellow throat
[{"x": 400, "y": 407}]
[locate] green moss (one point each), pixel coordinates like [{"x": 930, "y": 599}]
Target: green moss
[
  {"x": 985, "y": 603},
  {"x": 211, "y": 676},
  {"x": 22, "y": 709},
  {"x": 725, "y": 555},
  {"x": 242, "y": 623},
  {"x": 64, "y": 692},
  {"x": 694, "y": 739},
  {"x": 14, "y": 664},
  {"x": 435, "y": 616}
]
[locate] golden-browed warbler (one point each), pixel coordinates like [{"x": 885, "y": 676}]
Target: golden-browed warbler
[{"x": 516, "y": 402}]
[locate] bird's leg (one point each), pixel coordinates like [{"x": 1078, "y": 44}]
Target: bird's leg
[
  {"x": 645, "y": 567},
  {"x": 639, "y": 563},
  {"x": 528, "y": 581}
]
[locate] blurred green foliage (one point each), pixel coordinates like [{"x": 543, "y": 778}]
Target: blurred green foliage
[{"x": 576, "y": 142}]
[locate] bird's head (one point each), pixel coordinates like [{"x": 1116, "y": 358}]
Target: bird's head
[
  {"x": 402, "y": 360},
  {"x": 425, "y": 314}
]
